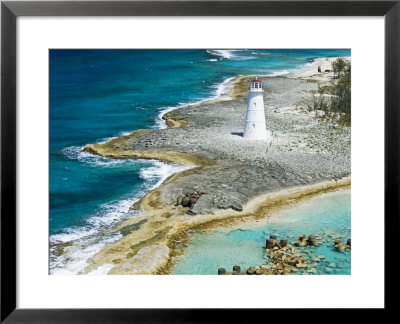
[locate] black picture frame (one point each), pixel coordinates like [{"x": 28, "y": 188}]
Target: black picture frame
[{"x": 11, "y": 10}]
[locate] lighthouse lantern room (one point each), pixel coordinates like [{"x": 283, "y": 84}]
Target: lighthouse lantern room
[{"x": 254, "y": 125}]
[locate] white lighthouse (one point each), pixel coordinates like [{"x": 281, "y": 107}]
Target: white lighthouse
[{"x": 254, "y": 125}]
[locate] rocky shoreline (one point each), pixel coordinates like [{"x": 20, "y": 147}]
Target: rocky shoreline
[
  {"x": 283, "y": 258},
  {"x": 229, "y": 171}
]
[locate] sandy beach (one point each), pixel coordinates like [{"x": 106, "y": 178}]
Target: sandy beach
[{"x": 231, "y": 179}]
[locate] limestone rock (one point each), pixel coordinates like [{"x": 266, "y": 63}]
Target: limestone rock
[{"x": 150, "y": 257}]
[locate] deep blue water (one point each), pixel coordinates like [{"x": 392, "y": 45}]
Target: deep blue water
[{"x": 99, "y": 94}]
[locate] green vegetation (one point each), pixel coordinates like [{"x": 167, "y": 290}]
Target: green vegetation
[
  {"x": 339, "y": 65},
  {"x": 334, "y": 100}
]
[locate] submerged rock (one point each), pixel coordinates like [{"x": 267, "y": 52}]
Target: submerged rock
[
  {"x": 236, "y": 268},
  {"x": 339, "y": 246},
  {"x": 302, "y": 241},
  {"x": 283, "y": 242}
]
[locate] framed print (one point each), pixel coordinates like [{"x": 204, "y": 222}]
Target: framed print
[{"x": 153, "y": 149}]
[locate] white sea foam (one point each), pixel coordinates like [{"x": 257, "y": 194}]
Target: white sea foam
[
  {"x": 102, "y": 270},
  {"x": 223, "y": 89},
  {"x": 258, "y": 53},
  {"x": 311, "y": 67},
  {"x": 89, "y": 239},
  {"x": 113, "y": 211},
  {"x": 107, "y": 139},
  {"x": 279, "y": 72},
  {"x": 159, "y": 121},
  {"x": 230, "y": 54},
  {"x": 303, "y": 68},
  {"x": 107, "y": 215},
  {"x": 72, "y": 234},
  {"x": 74, "y": 259},
  {"x": 85, "y": 240},
  {"x": 75, "y": 153},
  {"x": 161, "y": 171},
  {"x": 223, "y": 53},
  {"x": 220, "y": 92}
]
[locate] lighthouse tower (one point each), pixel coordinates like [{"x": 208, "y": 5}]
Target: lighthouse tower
[{"x": 254, "y": 125}]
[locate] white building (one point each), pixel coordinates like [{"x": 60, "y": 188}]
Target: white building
[{"x": 254, "y": 125}]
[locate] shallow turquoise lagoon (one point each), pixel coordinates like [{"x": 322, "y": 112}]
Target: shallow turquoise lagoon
[
  {"x": 98, "y": 94},
  {"x": 327, "y": 215}
]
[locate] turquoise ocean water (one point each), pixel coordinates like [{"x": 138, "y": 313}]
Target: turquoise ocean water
[
  {"x": 96, "y": 95},
  {"x": 327, "y": 215}
]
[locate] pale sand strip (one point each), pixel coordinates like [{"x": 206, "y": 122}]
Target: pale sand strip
[
  {"x": 150, "y": 249},
  {"x": 154, "y": 245}
]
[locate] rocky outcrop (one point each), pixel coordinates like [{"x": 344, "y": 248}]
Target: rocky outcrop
[
  {"x": 145, "y": 262},
  {"x": 229, "y": 201},
  {"x": 234, "y": 170},
  {"x": 339, "y": 246},
  {"x": 284, "y": 259},
  {"x": 189, "y": 199},
  {"x": 303, "y": 240}
]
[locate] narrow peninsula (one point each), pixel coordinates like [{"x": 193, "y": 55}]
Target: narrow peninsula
[{"x": 231, "y": 179}]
